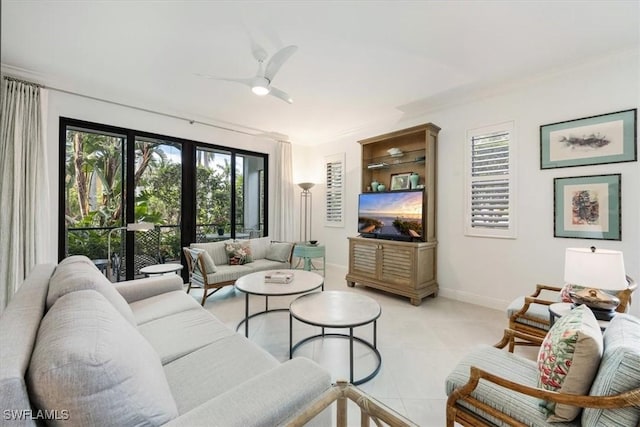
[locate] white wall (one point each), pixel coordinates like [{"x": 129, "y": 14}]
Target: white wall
[
  {"x": 492, "y": 272},
  {"x": 77, "y": 107}
]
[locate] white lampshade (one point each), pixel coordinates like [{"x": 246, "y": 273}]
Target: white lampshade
[
  {"x": 595, "y": 268},
  {"x": 306, "y": 185}
]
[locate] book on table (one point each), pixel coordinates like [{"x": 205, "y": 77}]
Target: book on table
[{"x": 282, "y": 277}]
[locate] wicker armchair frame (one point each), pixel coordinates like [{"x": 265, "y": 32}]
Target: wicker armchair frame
[
  {"x": 532, "y": 335},
  {"x": 457, "y": 413}
]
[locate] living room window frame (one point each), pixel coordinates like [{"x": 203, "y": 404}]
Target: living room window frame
[
  {"x": 471, "y": 227},
  {"x": 188, "y": 203}
]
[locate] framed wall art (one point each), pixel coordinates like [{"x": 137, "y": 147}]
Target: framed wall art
[
  {"x": 607, "y": 138},
  {"x": 587, "y": 207},
  {"x": 400, "y": 181}
]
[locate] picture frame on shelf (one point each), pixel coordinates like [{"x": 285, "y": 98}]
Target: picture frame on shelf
[
  {"x": 588, "y": 207},
  {"x": 400, "y": 181},
  {"x": 605, "y": 138}
]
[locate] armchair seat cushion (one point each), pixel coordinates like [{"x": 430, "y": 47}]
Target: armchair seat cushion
[
  {"x": 539, "y": 311},
  {"x": 509, "y": 366}
]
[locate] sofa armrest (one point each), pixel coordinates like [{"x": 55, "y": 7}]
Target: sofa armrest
[
  {"x": 135, "y": 290},
  {"x": 268, "y": 399}
]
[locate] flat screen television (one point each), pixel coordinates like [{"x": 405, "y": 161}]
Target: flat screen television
[{"x": 393, "y": 215}]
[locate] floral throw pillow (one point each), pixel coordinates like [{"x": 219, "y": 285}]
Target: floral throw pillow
[
  {"x": 239, "y": 253},
  {"x": 569, "y": 359}
]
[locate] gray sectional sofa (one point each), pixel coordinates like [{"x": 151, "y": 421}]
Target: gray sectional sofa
[{"x": 77, "y": 350}]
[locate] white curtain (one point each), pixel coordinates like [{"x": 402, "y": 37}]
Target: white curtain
[
  {"x": 283, "y": 221},
  {"x": 23, "y": 184}
]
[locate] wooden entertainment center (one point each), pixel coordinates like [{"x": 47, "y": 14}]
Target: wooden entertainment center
[{"x": 400, "y": 267}]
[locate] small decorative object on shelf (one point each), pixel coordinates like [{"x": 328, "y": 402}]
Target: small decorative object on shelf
[
  {"x": 381, "y": 187},
  {"x": 374, "y": 185},
  {"x": 281, "y": 277},
  {"x": 414, "y": 178}
]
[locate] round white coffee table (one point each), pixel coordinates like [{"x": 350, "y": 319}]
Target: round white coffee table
[
  {"x": 254, "y": 284},
  {"x": 158, "y": 269},
  {"x": 337, "y": 309}
]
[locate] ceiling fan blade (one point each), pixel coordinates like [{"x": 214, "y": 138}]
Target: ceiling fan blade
[
  {"x": 276, "y": 61},
  {"x": 280, "y": 94},
  {"x": 247, "y": 82}
]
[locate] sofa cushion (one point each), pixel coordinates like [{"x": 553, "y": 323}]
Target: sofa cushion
[
  {"x": 214, "y": 369},
  {"x": 229, "y": 273},
  {"x": 619, "y": 371},
  {"x": 279, "y": 251},
  {"x": 78, "y": 273},
  {"x": 239, "y": 253},
  {"x": 91, "y": 362},
  {"x": 209, "y": 265},
  {"x": 215, "y": 250},
  {"x": 259, "y": 247},
  {"x": 181, "y": 333},
  {"x": 266, "y": 264},
  {"x": 158, "y": 306},
  {"x": 569, "y": 358}
]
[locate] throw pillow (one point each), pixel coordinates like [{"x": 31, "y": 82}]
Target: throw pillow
[
  {"x": 564, "y": 293},
  {"x": 568, "y": 360},
  {"x": 89, "y": 361},
  {"x": 279, "y": 251},
  {"x": 239, "y": 253},
  {"x": 209, "y": 265}
]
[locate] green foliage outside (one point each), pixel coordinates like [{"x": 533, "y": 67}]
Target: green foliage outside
[{"x": 94, "y": 188}]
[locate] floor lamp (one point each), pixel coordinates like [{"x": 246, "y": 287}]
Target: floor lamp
[
  {"x": 305, "y": 211},
  {"x": 133, "y": 226}
]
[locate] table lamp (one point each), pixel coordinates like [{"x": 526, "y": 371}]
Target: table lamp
[{"x": 595, "y": 270}]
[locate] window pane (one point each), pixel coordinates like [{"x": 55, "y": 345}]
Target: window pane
[
  {"x": 249, "y": 196},
  {"x": 213, "y": 195},
  {"x": 158, "y": 198},
  {"x": 94, "y": 203}
]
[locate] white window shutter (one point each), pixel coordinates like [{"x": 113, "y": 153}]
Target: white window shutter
[
  {"x": 335, "y": 187},
  {"x": 490, "y": 187}
]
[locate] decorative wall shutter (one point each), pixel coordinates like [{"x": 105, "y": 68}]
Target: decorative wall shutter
[
  {"x": 335, "y": 187},
  {"x": 490, "y": 188}
]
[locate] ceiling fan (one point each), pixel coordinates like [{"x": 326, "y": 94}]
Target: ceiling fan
[{"x": 261, "y": 83}]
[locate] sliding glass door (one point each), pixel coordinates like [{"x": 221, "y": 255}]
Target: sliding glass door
[{"x": 112, "y": 178}]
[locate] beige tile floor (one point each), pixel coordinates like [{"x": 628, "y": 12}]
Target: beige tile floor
[{"x": 419, "y": 345}]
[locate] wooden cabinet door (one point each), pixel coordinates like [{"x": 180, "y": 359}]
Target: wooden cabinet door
[
  {"x": 364, "y": 259},
  {"x": 397, "y": 266}
]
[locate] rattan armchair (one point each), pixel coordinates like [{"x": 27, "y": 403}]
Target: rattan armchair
[
  {"x": 198, "y": 276},
  {"x": 529, "y": 315},
  {"x": 490, "y": 387}
]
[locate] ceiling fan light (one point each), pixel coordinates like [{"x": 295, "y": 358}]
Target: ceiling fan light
[{"x": 260, "y": 90}]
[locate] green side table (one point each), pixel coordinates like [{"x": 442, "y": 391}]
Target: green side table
[{"x": 307, "y": 252}]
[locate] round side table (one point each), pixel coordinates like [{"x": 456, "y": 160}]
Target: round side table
[
  {"x": 337, "y": 309},
  {"x": 159, "y": 269}
]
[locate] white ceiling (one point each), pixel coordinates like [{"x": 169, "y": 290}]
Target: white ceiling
[{"x": 358, "y": 62}]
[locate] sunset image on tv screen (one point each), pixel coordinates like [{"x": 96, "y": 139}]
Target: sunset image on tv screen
[{"x": 391, "y": 214}]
